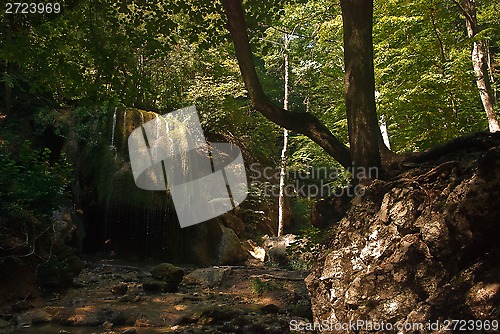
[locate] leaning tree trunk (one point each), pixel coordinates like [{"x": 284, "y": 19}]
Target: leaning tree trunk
[
  {"x": 480, "y": 65},
  {"x": 359, "y": 86},
  {"x": 300, "y": 122}
]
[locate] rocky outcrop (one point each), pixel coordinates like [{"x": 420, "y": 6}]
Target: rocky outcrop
[{"x": 417, "y": 249}]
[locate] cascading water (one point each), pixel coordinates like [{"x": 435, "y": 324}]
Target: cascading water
[
  {"x": 158, "y": 125},
  {"x": 108, "y": 213},
  {"x": 131, "y": 222}
]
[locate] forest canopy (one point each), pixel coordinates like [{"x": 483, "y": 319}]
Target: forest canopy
[{"x": 164, "y": 55}]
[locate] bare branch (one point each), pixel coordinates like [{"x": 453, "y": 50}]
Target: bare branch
[{"x": 301, "y": 122}]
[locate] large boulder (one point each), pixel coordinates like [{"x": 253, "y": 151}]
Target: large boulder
[
  {"x": 233, "y": 222},
  {"x": 230, "y": 250},
  {"x": 420, "y": 248},
  {"x": 211, "y": 243}
]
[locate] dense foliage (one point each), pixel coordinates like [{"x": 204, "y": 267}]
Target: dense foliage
[
  {"x": 425, "y": 86},
  {"x": 31, "y": 186},
  {"x": 160, "y": 56}
]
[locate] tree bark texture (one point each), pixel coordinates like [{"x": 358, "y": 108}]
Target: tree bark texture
[{"x": 359, "y": 85}]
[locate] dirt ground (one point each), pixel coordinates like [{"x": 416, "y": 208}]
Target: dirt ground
[{"x": 109, "y": 297}]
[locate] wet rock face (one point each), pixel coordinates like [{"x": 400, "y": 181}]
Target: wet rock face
[{"x": 416, "y": 249}]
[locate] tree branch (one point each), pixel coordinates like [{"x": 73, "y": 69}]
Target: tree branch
[
  {"x": 463, "y": 10},
  {"x": 301, "y": 122}
]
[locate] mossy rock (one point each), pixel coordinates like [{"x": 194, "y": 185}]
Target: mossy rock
[{"x": 170, "y": 274}]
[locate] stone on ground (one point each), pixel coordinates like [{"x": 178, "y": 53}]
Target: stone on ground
[{"x": 169, "y": 274}]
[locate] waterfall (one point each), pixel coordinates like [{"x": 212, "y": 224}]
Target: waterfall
[
  {"x": 113, "y": 129},
  {"x": 124, "y": 127},
  {"x": 158, "y": 125}
]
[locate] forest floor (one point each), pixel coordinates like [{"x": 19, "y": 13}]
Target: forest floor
[{"x": 108, "y": 297}]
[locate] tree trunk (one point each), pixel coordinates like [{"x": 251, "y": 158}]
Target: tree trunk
[
  {"x": 359, "y": 86},
  {"x": 479, "y": 65},
  {"x": 300, "y": 122},
  {"x": 490, "y": 72},
  {"x": 281, "y": 202}
]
